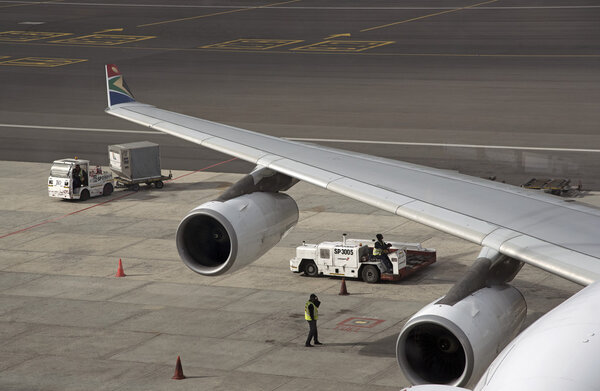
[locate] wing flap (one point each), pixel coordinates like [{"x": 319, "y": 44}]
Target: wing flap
[
  {"x": 497, "y": 237},
  {"x": 369, "y": 194},
  {"x": 231, "y": 148},
  {"x": 181, "y": 131},
  {"x": 574, "y": 266},
  {"x": 304, "y": 172},
  {"x": 457, "y": 224}
]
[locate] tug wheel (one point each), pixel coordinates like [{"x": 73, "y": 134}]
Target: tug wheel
[
  {"x": 310, "y": 269},
  {"x": 370, "y": 274}
]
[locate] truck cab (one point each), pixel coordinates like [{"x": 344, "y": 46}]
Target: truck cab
[
  {"x": 75, "y": 179},
  {"x": 354, "y": 258}
]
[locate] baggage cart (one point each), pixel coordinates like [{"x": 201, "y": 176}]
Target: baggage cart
[{"x": 136, "y": 163}]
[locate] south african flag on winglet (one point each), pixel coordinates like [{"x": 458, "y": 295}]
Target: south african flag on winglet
[{"x": 118, "y": 91}]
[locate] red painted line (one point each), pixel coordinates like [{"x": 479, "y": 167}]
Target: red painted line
[
  {"x": 105, "y": 202},
  {"x": 203, "y": 169}
]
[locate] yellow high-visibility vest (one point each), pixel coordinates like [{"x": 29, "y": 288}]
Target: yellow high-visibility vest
[
  {"x": 377, "y": 251},
  {"x": 307, "y": 313}
]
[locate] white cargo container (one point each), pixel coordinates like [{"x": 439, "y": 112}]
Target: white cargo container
[{"x": 135, "y": 163}]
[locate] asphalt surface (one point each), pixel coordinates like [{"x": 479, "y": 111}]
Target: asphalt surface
[{"x": 499, "y": 73}]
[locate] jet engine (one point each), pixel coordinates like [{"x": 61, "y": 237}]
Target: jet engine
[
  {"x": 452, "y": 344},
  {"x": 222, "y": 236}
]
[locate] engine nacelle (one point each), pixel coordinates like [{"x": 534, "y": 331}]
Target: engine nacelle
[
  {"x": 452, "y": 344},
  {"x": 221, "y": 236}
]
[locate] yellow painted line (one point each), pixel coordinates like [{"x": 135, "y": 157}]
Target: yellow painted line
[
  {"x": 315, "y": 52},
  {"x": 217, "y": 13},
  {"x": 426, "y": 16},
  {"x": 26, "y": 36},
  {"x": 42, "y": 62},
  {"x": 338, "y": 35},
  {"x": 108, "y": 30},
  {"x": 251, "y": 44},
  {"x": 104, "y": 39},
  {"x": 342, "y": 46},
  {"x": 171, "y": 49}
]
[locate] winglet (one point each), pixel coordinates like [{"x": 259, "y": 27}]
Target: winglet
[{"x": 116, "y": 89}]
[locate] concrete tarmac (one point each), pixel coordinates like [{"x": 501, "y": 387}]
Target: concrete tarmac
[
  {"x": 66, "y": 323},
  {"x": 499, "y": 72}
]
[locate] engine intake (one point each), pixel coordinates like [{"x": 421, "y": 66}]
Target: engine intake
[
  {"x": 452, "y": 344},
  {"x": 220, "y": 236}
]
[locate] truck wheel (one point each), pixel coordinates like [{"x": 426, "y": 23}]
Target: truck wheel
[
  {"x": 135, "y": 187},
  {"x": 370, "y": 274},
  {"x": 108, "y": 189},
  {"x": 159, "y": 184},
  {"x": 85, "y": 195},
  {"x": 310, "y": 269}
]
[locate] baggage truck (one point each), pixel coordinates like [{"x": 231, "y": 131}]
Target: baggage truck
[
  {"x": 75, "y": 179},
  {"x": 354, "y": 258}
]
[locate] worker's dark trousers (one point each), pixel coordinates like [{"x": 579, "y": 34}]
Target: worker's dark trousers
[
  {"x": 386, "y": 261},
  {"x": 312, "y": 333}
]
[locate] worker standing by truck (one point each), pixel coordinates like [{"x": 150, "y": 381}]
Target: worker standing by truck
[
  {"x": 78, "y": 176},
  {"x": 380, "y": 251},
  {"x": 311, "y": 314}
]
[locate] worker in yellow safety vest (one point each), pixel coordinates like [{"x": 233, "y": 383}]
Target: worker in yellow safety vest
[
  {"x": 381, "y": 250},
  {"x": 311, "y": 314}
]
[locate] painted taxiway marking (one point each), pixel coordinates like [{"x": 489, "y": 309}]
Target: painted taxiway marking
[
  {"x": 342, "y": 46},
  {"x": 251, "y": 44},
  {"x": 338, "y": 36},
  {"x": 27, "y": 36},
  {"x": 314, "y": 52},
  {"x": 356, "y": 324},
  {"x": 109, "y": 30},
  {"x": 103, "y": 39},
  {"x": 426, "y": 16},
  {"x": 319, "y": 140},
  {"x": 218, "y": 13},
  {"x": 42, "y": 62}
]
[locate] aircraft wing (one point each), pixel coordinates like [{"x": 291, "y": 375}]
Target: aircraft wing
[{"x": 541, "y": 230}]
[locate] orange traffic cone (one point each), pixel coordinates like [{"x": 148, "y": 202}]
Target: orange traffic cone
[
  {"x": 178, "y": 371},
  {"x": 343, "y": 290},
  {"x": 120, "y": 272}
]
